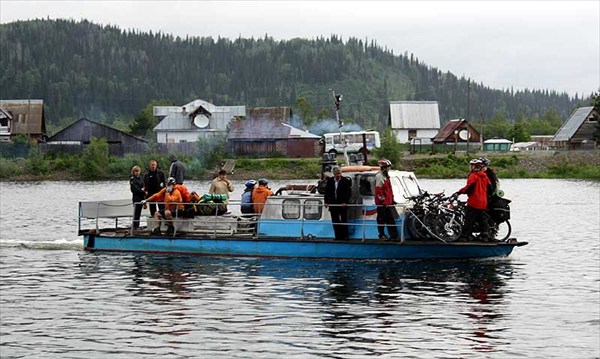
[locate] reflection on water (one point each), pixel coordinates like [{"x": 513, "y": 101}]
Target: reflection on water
[{"x": 366, "y": 306}]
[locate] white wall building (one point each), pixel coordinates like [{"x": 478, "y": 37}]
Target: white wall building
[
  {"x": 194, "y": 120},
  {"x": 414, "y": 119}
]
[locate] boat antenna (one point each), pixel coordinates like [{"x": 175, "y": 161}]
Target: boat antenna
[{"x": 337, "y": 101}]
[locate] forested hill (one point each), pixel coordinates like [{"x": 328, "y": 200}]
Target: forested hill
[{"x": 83, "y": 69}]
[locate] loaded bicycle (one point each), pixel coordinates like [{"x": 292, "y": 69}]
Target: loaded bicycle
[{"x": 440, "y": 217}]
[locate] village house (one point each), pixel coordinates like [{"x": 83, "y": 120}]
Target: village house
[
  {"x": 578, "y": 131},
  {"x": 266, "y": 132},
  {"x": 194, "y": 120},
  {"x": 75, "y": 137},
  {"x": 458, "y": 133},
  {"x": 22, "y": 117},
  {"x": 414, "y": 120}
]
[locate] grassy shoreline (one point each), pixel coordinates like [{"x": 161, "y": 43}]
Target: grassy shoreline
[{"x": 538, "y": 164}]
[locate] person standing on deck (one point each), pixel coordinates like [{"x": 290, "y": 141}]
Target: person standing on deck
[
  {"x": 154, "y": 181},
  {"x": 476, "y": 189},
  {"x": 177, "y": 169},
  {"x": 338, "y": 191},
  {"x": 136, "y": 185},
  {"x": 384, "y": 199},
  {"x": 260, "y": 194},
  {"x": 221, "y": 185}
]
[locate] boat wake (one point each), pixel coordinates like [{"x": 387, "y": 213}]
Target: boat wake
[{"x": 61, "y": 244}]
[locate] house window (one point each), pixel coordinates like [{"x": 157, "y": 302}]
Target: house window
[
  {"x": 412, "y": 134},
  {"x": 593, "y": 118},
  {"x": 290, "y": 209},
  {"x": 313, "y": 209}
]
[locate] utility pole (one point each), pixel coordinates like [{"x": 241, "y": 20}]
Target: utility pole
[{"x": 469, "y": 99}]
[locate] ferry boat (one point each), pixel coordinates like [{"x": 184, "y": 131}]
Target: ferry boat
[{"x": 294, "y": 224}]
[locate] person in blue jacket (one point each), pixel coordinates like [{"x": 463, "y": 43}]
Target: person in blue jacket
[{"x": 247, "y": 206}]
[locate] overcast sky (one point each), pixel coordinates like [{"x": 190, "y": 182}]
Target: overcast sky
[{"x": 522, "y": 44}]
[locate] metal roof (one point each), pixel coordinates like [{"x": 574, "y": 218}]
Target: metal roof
[
  {"x": 414, "y": 115},
  {"x": 497, "y": 140},
  {"x": 177, "y": 118},
  {"x": 298, "y": 133},
  {"x": 572, "y": 124},
  {"x": 27, "y": 116},
  {"x": 265, "y": 129}
]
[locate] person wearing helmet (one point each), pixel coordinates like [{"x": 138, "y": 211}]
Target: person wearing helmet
[
  {"x": 384, "y": 199},
  {"x": 476, "y": 189},
  {"x": 247, "y": 205},
  {"x": 338, "y": 191},
  {"x": 491, "y": 176},
  {"x": 221, "y": 185},
  {"x": 260, "y": 194},
  {"x": 171, "y": 197}
]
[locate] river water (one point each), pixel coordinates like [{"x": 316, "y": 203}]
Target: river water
[{"x": 57, "y": 301}]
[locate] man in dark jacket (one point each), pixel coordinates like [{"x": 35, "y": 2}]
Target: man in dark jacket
[
  {"x": 338, "y": 191},
  {"x": 154, "y": 181},
  {"x": 177, "y": 169}
]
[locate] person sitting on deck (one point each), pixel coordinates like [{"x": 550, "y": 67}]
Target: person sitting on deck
[
  {"x": 173, "y": 204},
  {"x": 260, "y": 194},
  {"x": 247, "y": 205}
]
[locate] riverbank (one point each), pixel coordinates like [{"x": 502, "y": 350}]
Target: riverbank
[{"x": 535, "y": 164}]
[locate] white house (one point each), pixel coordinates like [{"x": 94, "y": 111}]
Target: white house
[
  {"x": 194, "y": 120},
  {"x": 414, "y": 119}
]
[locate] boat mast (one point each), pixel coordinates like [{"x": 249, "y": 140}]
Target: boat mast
[{"x": 337, "y": 102}]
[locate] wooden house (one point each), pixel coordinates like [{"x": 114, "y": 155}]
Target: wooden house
[
  {"x": 414, "y": 119},
  {"x": 75, "y": 137},
  {"x": 458, "y": 131},
  {"x": 22, "y": 117},
  {"x": 265, "y": 136},
  {"x": 578, "y": 131}
]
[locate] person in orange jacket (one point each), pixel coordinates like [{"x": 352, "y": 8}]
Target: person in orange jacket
[
  {"x": 173, "y": 206},
  {"x": 260, "y": 194}
]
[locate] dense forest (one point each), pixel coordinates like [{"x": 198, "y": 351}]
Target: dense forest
[{"x": 82, "y": 69}]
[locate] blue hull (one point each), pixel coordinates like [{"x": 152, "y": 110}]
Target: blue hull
[{"x": 293, "y": 248}]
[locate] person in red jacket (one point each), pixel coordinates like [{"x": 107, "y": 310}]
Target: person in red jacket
[
  {"x": 476, "y": 189},
  {"x": 384, "y": 199}
]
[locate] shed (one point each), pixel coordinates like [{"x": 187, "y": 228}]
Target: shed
[
  {"x": 76, "y": 136},
  {"x": 525, "y": 146},
  {"x": 497, "y": 144},
  {"x": 457, "y": 131},
  {"x": 25, "y": 117},
  {"x": 578, "y": 131},
  {"x": 414, "y": 119},
  {"x": 194, "y": 120},
  {"x": 251, "y": 137}
]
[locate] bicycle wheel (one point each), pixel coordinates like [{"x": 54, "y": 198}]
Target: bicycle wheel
[
  {"x": 448, "y": 227},
  {"x": 501, "y": 231}
]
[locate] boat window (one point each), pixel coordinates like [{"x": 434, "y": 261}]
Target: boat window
[
  {"x": 290, "y": 209},
  {"x": 411, "y": 185},
  {"x": 398, "y": 189},
  {"x": 313, "y": 209},
  {"x": 366, "y": 185}
]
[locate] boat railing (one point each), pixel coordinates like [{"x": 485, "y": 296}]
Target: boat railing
[{"x": 232, "y": 221}]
